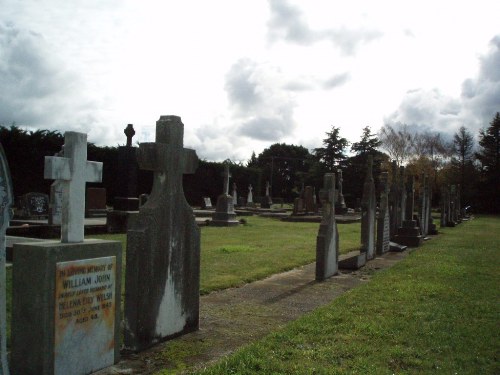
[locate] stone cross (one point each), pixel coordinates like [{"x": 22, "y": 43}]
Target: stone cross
[
  {"x": 5, "y": 216},
  {"x": 163, "y": 245},
  {"x": 227, "y": 176},
  {"x": 129, "y": 132},
  {"x": 268, "y": 188},
  {"x": 74, "y": 170}
]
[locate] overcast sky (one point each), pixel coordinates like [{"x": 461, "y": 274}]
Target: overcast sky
[{"x": 246, "y": 74}]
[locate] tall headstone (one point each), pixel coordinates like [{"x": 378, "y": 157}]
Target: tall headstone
[
  {"x": 224, "y": 215},
  {"x": 267, "y": 200},
  {"x": 368, "y": 207},
  {"x": 402, "y": 199},
  {"x": 394, "y": 200},
  {"x": 340, "y": 206},
  {"x": 72, "y": 287},
  {"x": 409, "y": 232},
  {"x": 5, "y": 216},
  {"x": 383, "y": 224},
  {"x": 235, "y": 194},
  {"x": 163, "y": 246},
  {"x": 56, "y": 194},
  {"x": 327, "y": 241},
  {"x": 445, "y": 206},
  {"x": 310, "y": 201},
  {"x": 250, "y": 196}
]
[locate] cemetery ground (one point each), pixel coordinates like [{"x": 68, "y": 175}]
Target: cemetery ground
[{"x": 436, "y": 311}]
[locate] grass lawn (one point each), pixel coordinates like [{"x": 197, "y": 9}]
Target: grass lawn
[{"x": 435, "y": 312}]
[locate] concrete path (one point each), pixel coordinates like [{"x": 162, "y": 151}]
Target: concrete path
[{"x": 234, "y": 317}]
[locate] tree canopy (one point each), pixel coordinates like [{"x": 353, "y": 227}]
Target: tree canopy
[{"x": 333, "y": 150}]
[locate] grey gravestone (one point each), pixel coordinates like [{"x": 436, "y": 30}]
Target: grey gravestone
[
  {"x": 56, "y": 198},
  {"x": 310, "y": 203},
  {"x": 5, "y": 216},
  {"x": 35, "y": 205},
  {"x": 423, "y": 206},
  {"x": 235, "y": 194},
  {"x": 340, "y": 206},
  {"x": 383, "y": 224},
  {"x": 327, "y": 241},
  {"x": 163, "y": 246},
  {"x": 298, "y": 206},
  {"x": 250, "y": 196},
  {"x": 71, "y": 287},
  {"x": 409, "y": 233},
  {"x": 368, "y": 207},
  {"x": 394, "y": 200},
  {"x": 402, "y": 192},
  {"x": 267, "y": 200},
  {"x": 224, "y": 215},
  {"x": 445, "y": 207},
  {"x": 206, "y": 204}
]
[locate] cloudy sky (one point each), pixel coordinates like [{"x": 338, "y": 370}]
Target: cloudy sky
[{"x": 246, "y": 74}]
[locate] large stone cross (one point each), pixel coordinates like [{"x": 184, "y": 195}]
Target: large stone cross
[
  {"x": 74, "y": 171},
  {"x": 5, "y": 216}
]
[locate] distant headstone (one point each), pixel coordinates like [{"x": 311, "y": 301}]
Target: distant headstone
[
  {"x": 224, "y": 215},
  {"x": 383, "y": 224},
  {"x": 72, "y": 287},
  {"x": 368, "y": 207},
  {"x": 35, "y": 205},
  {"x": 95, "y": 202},
  {"x": 5, "y": 216},
  {"x": 340, "y": 206},
  {"x": 409, "y": 233},
  {"x": 402, "y": 192},
  {"x": 206, "y": 204},
  {"x": 298, "y": 206},
  {"x": 445, "y": 207},
  {"x": 235, "y": 194},
  {"x": 56, "y": 198},
  {"x": 267, "y": 200},
  {"x": 163, "y": 246},
  {"x": 129, "y": 133},
  {"x": 250, "y": 196},
  {"x": 394, "y": 200},
  {"x": 74, "y": 171},
  {"x": 327, "y": 240},
  {"x": 309, "y": 201}
]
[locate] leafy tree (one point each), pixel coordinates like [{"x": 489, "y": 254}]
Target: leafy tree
[
  {"x": 489, "y": 157},
  {"x": 397, "y": 141},
  {"x": 368, "y": 143},
  {"x": 285, "y": 166},
  {"x": 333, "y": 150}
]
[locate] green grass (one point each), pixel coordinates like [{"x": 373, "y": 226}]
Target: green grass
[{"x": 435, "y": 312}]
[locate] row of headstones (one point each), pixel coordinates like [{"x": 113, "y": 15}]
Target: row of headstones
[{"x": 395, "y": 221}]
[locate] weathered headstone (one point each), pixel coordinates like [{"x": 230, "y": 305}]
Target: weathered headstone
[
  {"x": 163, "y": 246},
  {"x": 340, "y": 206},
  {"x": 267, "y": 200},
  {"x": 383, "y": 224},
  {"x": 394, "y": 200},
  {"x": 309, "y": 201},
  {"x": 56, "y": 197},
  {"x": 368, "y": 207},
  {"x": 298, "y": 206},
  {"x": 409, "y": 233},
  {"x": 224, "y": 215},
  {"x": 327, "y": 240},
  {"x": 5, "y": 216},
  {"x": 235, "y": 194},
  {"x": 72, "y": 287},
  {"x": 206, "y": 204},
  {"x": 445, "y": 206},
  {"x": 402, "y": 191},
  {"x": 250, "y": 202},
  {"x": 35, "y": 205},
  {"x": 95, "y": 202}
]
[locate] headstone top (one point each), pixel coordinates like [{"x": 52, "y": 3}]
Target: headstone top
[
  {"x": 226, "y": 175},
  {"x": 129, "y": 132},
  {"x": 75, "y": 171}
]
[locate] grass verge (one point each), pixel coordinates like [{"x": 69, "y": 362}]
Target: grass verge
[{"x": 435, "y": 312}]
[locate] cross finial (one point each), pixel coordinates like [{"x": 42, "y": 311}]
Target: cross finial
[
  {"x": 129, "y": 132},
  {"x": 74, "y": 170}
]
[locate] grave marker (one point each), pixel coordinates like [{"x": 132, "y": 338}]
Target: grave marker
[
  {"x": 35, "y": 205},
  {"x": 327, "y": 241},
  {"x": 74, "y": 171},
  {"x": 368, "y": 207},
  {"x": 409, "y": 233},
  {"x": 383, "y": 225},
  {"x": 250, "y": 196},
  {"x": 163, "y": 246},
  {"x": 340, "y": 206},
  {"x": 5, "y": 216},
  {"x": 224, "y": 215}
]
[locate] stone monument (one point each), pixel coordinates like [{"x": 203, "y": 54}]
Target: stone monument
[
  {"x": 383, "y": 223},
  {"x": 72, "y": 287},
  {"x": 5, "y": 216},
  {"x": 56, "y": 192},
  {"x": 340, "y": 206},
  {"x": 327, "y": 241},
  {"x": 368, "y": 208},
  {"x": 224, "y": 215},
  {"x": 235, "y": 194},
  {"x": 250, "y": 196},
  {"x": 163, "y": 246},
  {"x": 409, "y": 233},
  {"x": 267, "y": 200},
  {"x": 126, "y": 200},
  {"x": 394, "y": 200}
]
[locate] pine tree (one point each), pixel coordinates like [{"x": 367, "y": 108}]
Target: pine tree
[
  {"x": 333, "y": 151},
  {"x": 368, "y": 143}
]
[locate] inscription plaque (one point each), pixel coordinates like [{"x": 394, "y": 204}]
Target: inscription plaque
[{"x": 84, "y": 315}]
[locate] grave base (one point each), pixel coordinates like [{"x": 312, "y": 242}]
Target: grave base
[
  {"x": 353, "y": 260},
  {"x": 66, "y": 307},
  {"x": 410, "y": 241},
  {"x": 224, "y": 215},
  {"x": 396, "y": 247}
]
